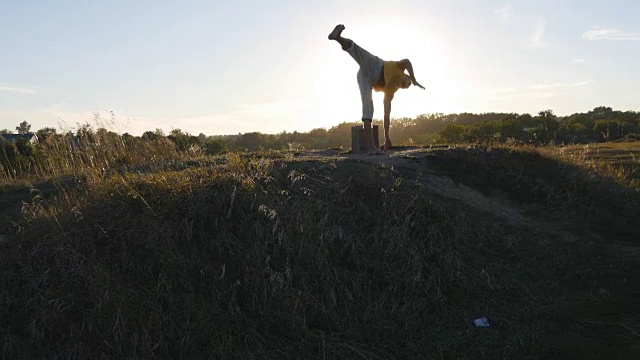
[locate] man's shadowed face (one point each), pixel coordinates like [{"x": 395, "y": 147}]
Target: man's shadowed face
[{"x": 406, "y": 82}]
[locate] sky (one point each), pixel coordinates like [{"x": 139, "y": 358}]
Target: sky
[{"x": 228, "y": 67}]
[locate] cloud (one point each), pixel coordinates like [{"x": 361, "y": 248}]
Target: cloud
[
  {"x": 266, "y": 117},
  {"x": 536, "y": 36},
  {"x": 505, "y": 12},
  {"x": 262, "y": 117},
  {"x": 580, "y": 61},
  {"x": 599, "y": 33},
  {"x": 524, "y": 94},
  {"x": 138, "y": 121},
  {"x": 6, "y": 88},
  {"x": 275, "y": 108},
  {"x": 557, "y": 85},
  {"x": 534, "y": 91}
]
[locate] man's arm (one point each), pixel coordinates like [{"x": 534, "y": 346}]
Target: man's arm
[{"x": 406, "y": 65}]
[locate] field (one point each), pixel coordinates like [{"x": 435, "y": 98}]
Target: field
[
  {"x": 328, "y": 255},
  {"x": 621, "y": 154}
]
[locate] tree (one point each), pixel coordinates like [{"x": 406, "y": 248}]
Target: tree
[
  {"x": 318, "y": 138},
  {"x": 547, "y": 128},
  {"x": 603, "y": 127},
  {"x": 216, "y": 146},
  {"x": 601, "y": 112},
  {"x": 340, "y": 135},
  {"x": 484, "y": 131},
  {"x": 5, "y": 132},
  {"x": 183, "y": 140},
  {"x": 202, "y": 139},
  {"x": 102, "y": 132},
  {"x": 510, "y": 127},
  {"x": 23, "y": 128},
  {"x": 452, "y": 133},
  {"x": 150, "y": 135},
  {"x": 250, "y": 141},
  {"x": 128, "y": 138},
  {"x": 45, "y": 133}
]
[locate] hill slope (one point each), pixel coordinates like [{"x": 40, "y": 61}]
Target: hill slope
[{"x": 328, "y": 255}]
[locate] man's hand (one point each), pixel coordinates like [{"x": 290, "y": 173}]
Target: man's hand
[
  {"x": 406, "y": 65},
  {"x": 387, "y": 145}
]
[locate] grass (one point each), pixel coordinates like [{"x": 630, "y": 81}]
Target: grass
[
  {"x": 551, "y": 182},
  {"x": 619, "y": 159},
  {"x": 89, "y": 155},
  {"x": 15, "y": 194},
  {"x": 618, "y": 153},
  {"x": 274, "y": 256}
]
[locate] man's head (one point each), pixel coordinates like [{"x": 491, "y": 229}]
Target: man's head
[{"x": 406, "y": 82}]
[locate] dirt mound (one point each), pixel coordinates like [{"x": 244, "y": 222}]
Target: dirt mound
[{"x": 325, "y": 254}]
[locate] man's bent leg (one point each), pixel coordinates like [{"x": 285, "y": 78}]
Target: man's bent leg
[
  {"x": 367, "y": 111},
  {"x": 366, "y": 92}
]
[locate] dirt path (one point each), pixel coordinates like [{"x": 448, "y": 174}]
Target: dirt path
[
  {"x": 416, "y": 164},
  {"x": 412, "y": 164}
]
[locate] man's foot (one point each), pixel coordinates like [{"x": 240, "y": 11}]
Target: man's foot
[{"x": 336, "y": 32}]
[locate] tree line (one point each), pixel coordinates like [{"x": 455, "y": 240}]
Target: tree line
[{"x": 600, "y": 124}]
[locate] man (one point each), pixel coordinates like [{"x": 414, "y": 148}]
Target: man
[{"x": 379, "y": 75}]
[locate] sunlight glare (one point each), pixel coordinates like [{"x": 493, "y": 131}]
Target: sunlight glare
[
  {"x": 334, "y": 95},
  {"x": 397, "y": 38}
]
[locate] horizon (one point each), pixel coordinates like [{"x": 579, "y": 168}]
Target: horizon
[
  {"x": 200, "y": 67},
  {"x": 114, "y": 126}
]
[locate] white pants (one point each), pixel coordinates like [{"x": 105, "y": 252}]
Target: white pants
[{"x": 368, "y": 75}]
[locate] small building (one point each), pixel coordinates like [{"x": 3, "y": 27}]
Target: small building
[{"x": 30, "y": 138}]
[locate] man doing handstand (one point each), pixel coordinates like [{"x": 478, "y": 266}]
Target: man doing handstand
[{"x": 379, "y": 75}]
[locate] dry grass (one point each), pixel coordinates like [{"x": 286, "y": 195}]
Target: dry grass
[
  {"x": 619, "y": 160},
  {"x": 262, "y": 256},
  {"x": 618, "y": 153},
  {"x": 93, "y": 155}
]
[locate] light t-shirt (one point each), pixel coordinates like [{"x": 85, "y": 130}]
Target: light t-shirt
[{"x": 393, "y": 77}]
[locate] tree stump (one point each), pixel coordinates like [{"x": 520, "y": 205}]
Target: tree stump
[{"x": 358, "y": 144}]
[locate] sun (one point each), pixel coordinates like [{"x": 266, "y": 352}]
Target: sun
[
  {"x": 335, "y": 92},
  {"x": 435, "y": 67}
]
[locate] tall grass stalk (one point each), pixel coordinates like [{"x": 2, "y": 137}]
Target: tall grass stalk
[{"x": 93, "y": 154}]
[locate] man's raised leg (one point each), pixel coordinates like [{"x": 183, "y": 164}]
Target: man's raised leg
[
  {"x": 366, "y": 61},
  {"x": 336, "y": 35}
]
